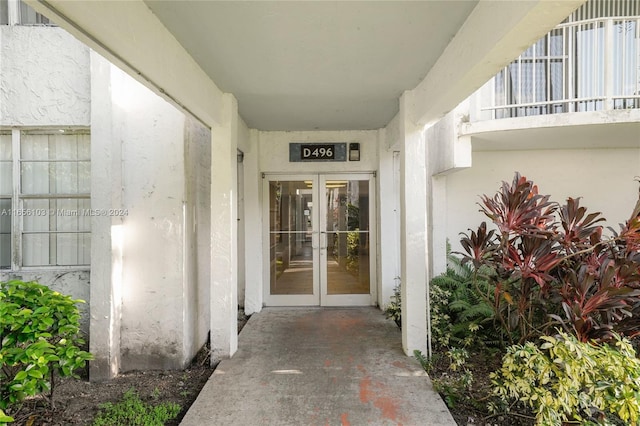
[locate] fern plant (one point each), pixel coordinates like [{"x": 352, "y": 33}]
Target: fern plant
[{"x": 460, "y": 312}]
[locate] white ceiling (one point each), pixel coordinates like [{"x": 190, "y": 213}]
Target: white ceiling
[{"x": 328, "y": 65}]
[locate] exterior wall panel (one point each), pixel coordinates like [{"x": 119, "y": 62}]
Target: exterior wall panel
[
  {"x": 45, "y": 78},
  {"x": 604, "y": 178},
  {"x": 45, "y": 83}
]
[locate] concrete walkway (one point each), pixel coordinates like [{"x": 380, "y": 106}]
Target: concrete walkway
[{"x": 319, "y": 366}]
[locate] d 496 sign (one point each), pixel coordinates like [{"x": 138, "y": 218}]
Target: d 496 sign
[{"x": 317, "y": 152}]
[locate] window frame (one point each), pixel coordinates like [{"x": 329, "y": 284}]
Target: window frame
[
  {"x": 10, "y": 197},
  {"x": 14, "y": 15},
  {"x": 18, "y": 201}
]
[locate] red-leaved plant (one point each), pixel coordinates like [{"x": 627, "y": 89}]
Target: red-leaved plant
[{"x": 550, "y": 265}]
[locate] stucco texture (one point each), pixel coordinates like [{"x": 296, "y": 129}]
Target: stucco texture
[{"x": 45, "y": 78}]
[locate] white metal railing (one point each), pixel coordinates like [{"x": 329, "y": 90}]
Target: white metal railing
[{"x": 587, "y": 65}]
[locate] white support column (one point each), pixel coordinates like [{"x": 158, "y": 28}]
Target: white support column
[
  {"x": 253, "y": 226},
  {"x": 106, "y": 244},
  {"x": 447, "y": 152},
  {"x": 224, "y": 232},
  {"x": 388, "y": 258},
  {"x": 438, "y": 226},
  {"x": 413, "y": 230},
  {"x": 608, "y": 65}
]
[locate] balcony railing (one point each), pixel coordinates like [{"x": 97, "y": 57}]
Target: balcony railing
[{"x": 590, "y": 65}]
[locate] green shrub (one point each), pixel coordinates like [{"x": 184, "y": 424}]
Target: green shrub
[
  {"x": 4, "y": 419},
  {"x": 565, "y": 380},
  {"x": 39, "y": 336},
  {"x": 393, "y": 310},
  {"x": 550, "y": 265},
  {"x": 132, "y": 411}
]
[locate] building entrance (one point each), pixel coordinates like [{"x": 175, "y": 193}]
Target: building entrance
[{"x": 320, "y": 239}]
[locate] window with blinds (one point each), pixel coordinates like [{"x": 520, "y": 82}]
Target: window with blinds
[
  {"x": 45, "y": 198},
  {"x": 6, "y": 193},
  {"x": 590, "y": 62}
]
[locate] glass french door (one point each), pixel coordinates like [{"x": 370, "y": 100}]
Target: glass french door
[{"x": 319, "y": 235}]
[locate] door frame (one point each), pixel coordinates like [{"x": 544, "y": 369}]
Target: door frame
[{"x": 319, "y": 296}]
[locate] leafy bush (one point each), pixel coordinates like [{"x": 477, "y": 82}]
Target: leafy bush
[
  {"x": 544, "y": 268},
  {"x": 565, "y": 380},
  {"x": 132, "y": 411},
  {"x": 4, "y": 419},
  {"x": 39, "y": 337}
]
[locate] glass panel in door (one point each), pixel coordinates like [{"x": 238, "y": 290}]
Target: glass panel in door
[
  {"x": 291, "y": 252},
  {"x": 346, "y": 234}
]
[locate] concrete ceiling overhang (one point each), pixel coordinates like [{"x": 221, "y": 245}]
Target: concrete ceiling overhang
[
  {"x": 327, "y": 65},
  {"x": 305, "y": 65}
]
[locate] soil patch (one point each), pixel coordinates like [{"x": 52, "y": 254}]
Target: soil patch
[{"x": 469, "y": 407}]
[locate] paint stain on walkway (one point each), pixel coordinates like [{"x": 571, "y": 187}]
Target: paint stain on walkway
[{"x": 376, "y": 393}]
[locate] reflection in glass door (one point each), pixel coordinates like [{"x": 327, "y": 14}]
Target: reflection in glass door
[
  {"x": 345, "y": 265},
  {"x": 291, "y": 241},
  {"x": 319, "y": 240}
]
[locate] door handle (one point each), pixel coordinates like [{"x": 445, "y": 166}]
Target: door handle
[
  {"x": 324, "y": 241},
  {"x": 314, "y": 240}
]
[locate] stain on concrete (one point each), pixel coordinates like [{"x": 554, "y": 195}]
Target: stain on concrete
[
  {"x": 350, "y": 377},
  {"x": 376, "y": 393},
  {"x": 402, "y": 365}
]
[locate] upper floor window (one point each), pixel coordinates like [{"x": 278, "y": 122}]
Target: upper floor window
[
  {"x": 16, "y": 12},
  {"x": 590, "y": 62},
  {"x": 28, "y": 16},
  {"x": 45, "y": 198},
  {"x": 4, "y": 12}
]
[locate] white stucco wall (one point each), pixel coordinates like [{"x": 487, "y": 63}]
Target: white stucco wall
[
  {"x": 159, "y": 267},
  {"x": 45, "y": 82},
  {"x": 604, "y": 178},
  {"x": 252, "y": 186},
  {"x": 388, "y": 211},
  {"x": 45, "y": 78},
  {"x": 447, "y": 151},
  {"x": 244, "y": 145},
  {"x": 197, "y": 238},
  {"x": 274, "y": 148},
  {"x": 153, "y": 193}
]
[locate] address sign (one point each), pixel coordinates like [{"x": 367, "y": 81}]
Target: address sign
[{"x": 317, "y": 152}]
